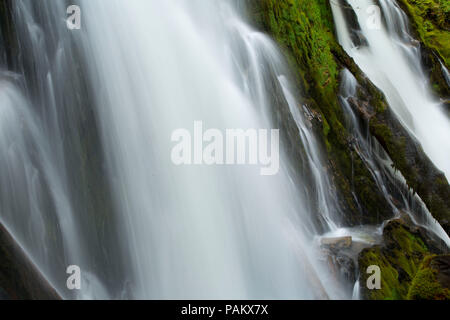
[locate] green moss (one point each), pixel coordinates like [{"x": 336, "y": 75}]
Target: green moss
[
  {"x": 408, "y": 268},
  {"x": 303, "y": 27},
  {"x": 399, "y": 259},
  {"x": 409, "y": 158},
  {"x": 431, "y": 20},
  {"x": 389, "y": 275},
  {"x": 395, "y": 146},
  {"x": 304, "y": 30},
  {"x": 425, "y": 285}
]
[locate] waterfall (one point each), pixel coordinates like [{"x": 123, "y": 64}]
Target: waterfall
[
  {"x": 391, "y": 59},
  {"x": 446, "y": 73},
  {"x": 391, "y": 182},
  {"x": 93, "y": 168}
]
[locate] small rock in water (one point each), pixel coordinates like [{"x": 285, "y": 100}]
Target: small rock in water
[{"x": 336, "y": 243}]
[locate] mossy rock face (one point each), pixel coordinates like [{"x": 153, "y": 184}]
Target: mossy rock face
[
  {"x": 430, "y": 20},
  {"x": 399, "y": 259},
  {"x": 432, "y": 281},
  {"x": 305, "y": 31},
  {"x": 406, "y": 153}
]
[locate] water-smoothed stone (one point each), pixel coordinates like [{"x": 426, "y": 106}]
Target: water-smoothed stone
[
  {"x": 336, "y": 243},
  {"x": 342, "y": 266}
]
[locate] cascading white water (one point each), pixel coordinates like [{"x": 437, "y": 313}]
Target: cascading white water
[
  {"x": 146, "y": 68},
  {"x": 391, "y": 59},
  {"x": 388, "y": 180},
  {"x": 209, "y": 232},
  {"x": 34, "y": 200},
  {"x": 446, "y": 73},
  {"x": 192, "y": 232}
]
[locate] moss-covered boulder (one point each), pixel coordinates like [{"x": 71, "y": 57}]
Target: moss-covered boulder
[
  {"x": 432, "y": 280},
  {"x": 430, "y": 20},
  {"x": 399, "y": 257}
]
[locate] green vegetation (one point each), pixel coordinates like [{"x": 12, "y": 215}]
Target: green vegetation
[
  {"x": 425, "y": 285},
  {"x": 305, "y": 31},
  {"x": 409, "y": 268},
  {"x": 431, "y": 20},
  {"x": 304, "y": 27},
  {"x": 399, "y": 259}
]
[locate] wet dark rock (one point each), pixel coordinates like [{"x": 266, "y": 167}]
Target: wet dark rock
[
  {"x": 339, "y": 258},
  {"x": 8, "y": 41},
  {"x": 442, "y": 265},
  {"x": 343, "y": 267},
  {"x": 406, "y": 153},
  {"x": 352, "y": 21},
  {"x": 19, "y": 278}
]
